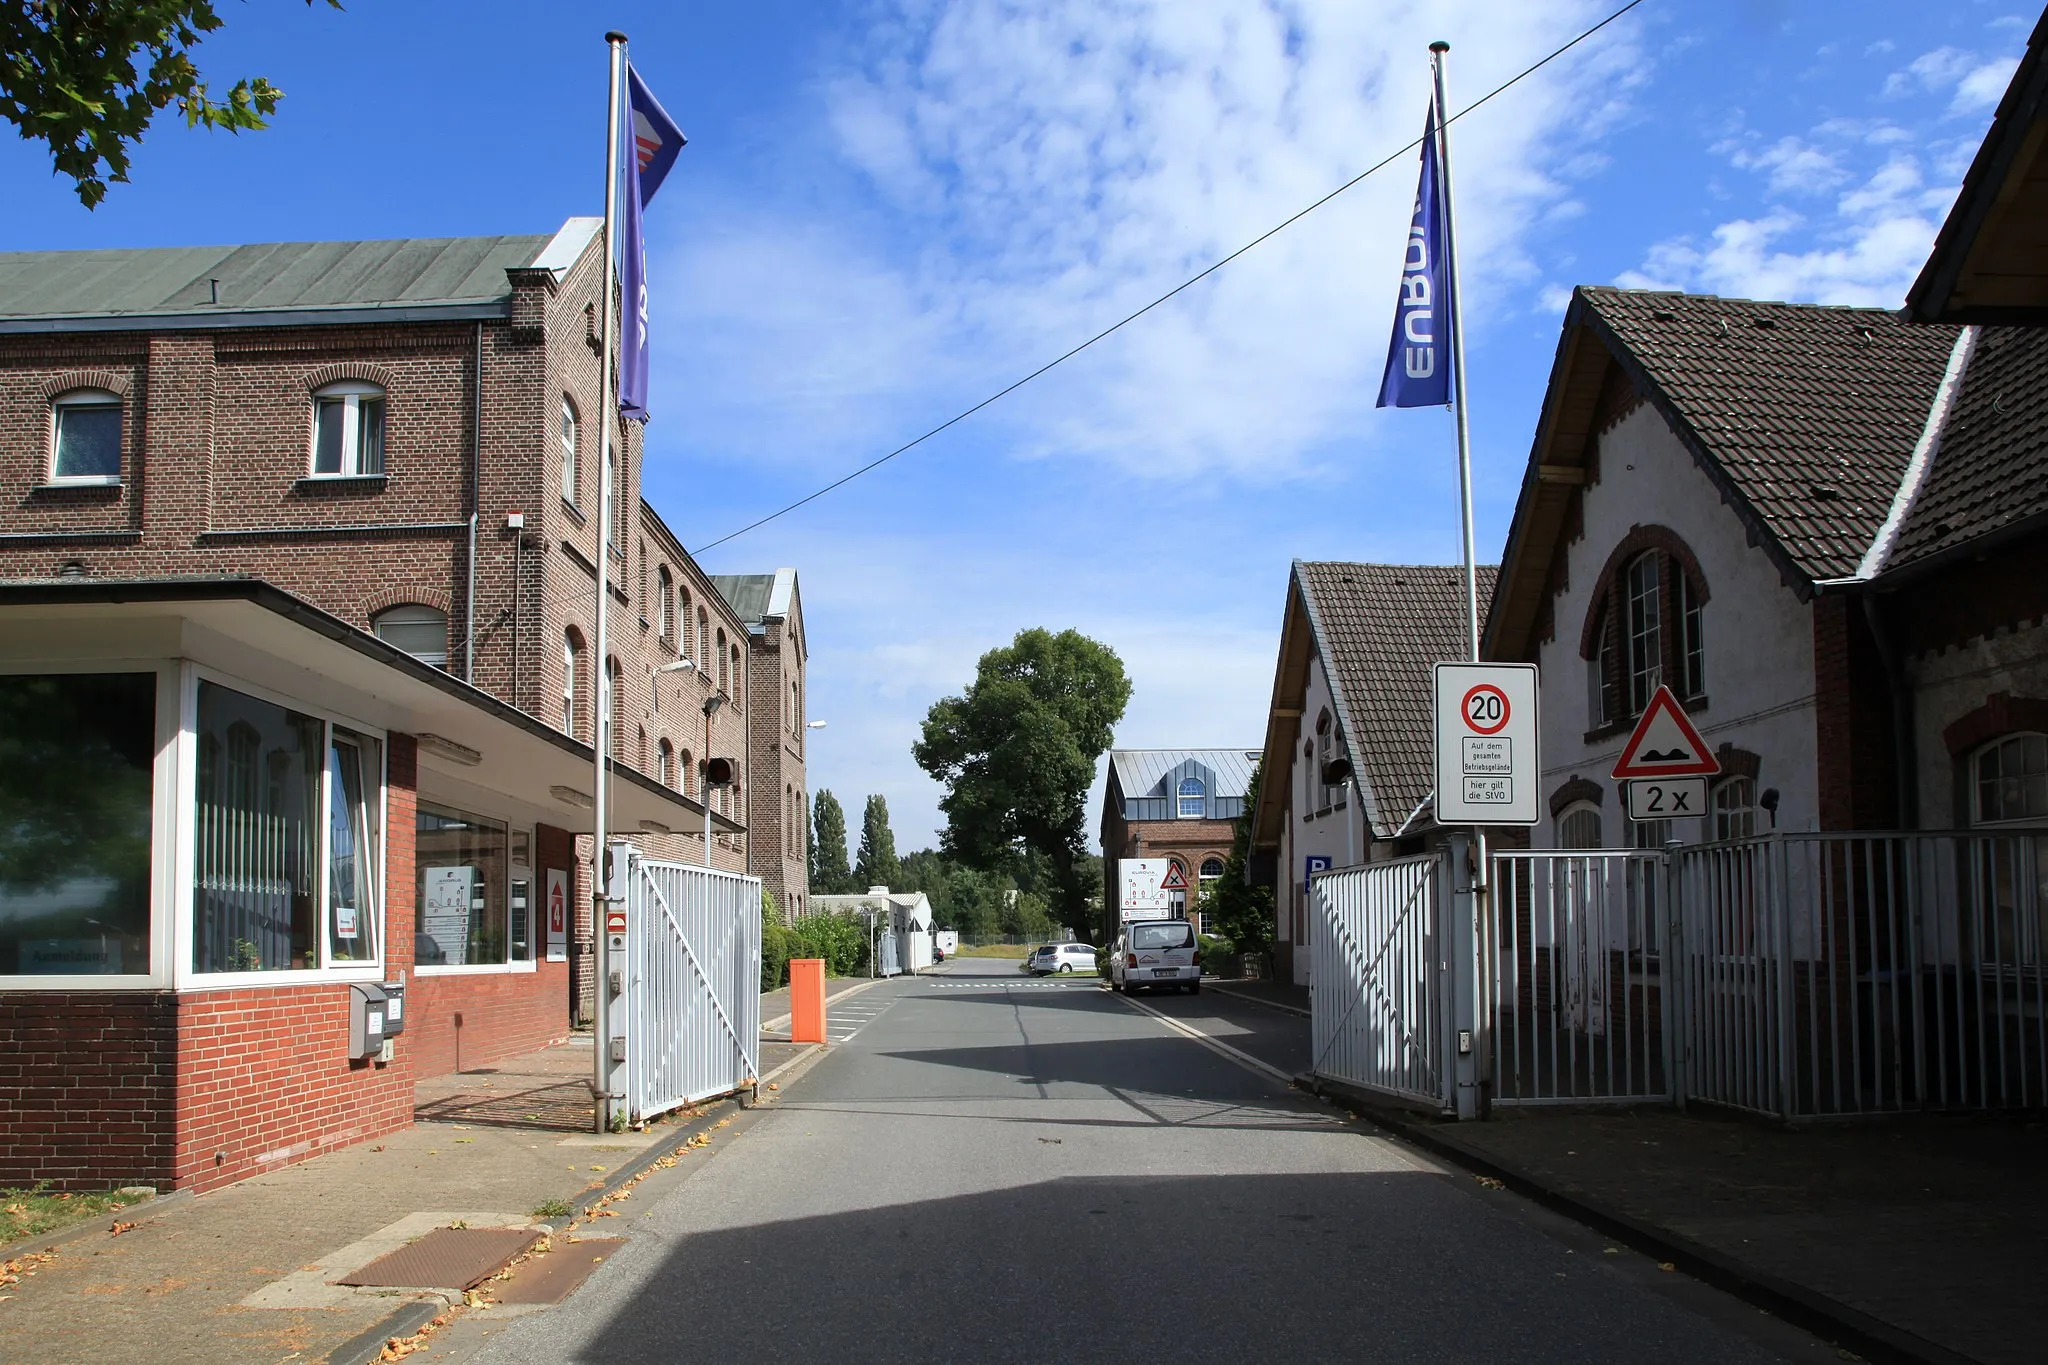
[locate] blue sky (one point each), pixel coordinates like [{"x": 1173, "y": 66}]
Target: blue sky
[{"x": 890, "y": 210}]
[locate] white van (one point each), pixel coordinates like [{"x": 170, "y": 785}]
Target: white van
[{"x": 1156, "y": 953}]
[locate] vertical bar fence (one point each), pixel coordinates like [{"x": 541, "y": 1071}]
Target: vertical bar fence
[
  {"x": 693, "y": 984},
  {"x": 1377, "y": 993}
]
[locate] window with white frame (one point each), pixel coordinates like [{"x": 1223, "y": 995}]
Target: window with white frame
[
  {"x": 348, "y": 430},
  {"x": 1191, "y": 798},
  {"x": 572, "y": 666},
  {"x": 287, "y": 839},
  {"x": 420, "y": 631},
  {"x": 667, "y": 609},
  {"x": 77, "y": 754},
  {"x": 1733, "y": 805},
  {"x": 724, "y": 668},
  {"x": 665, "y": 763},
  {"x": 1645, "y": 619},
  {"x": 1211, "y": 869},
  {"x": 85, "y": 437},
  {"x": 1596, "y": 676},
  {"x": 739, "y": 702},
  {"x": 2010, "y": 777},
  {"x": 1578, "y": 826},
  {"x": 466, "y": 907},
  {"x": 567, "y": 437}
]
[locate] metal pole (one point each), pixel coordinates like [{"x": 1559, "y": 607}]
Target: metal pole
[
  {"x": 600, "y": 730},
  {"x": 1482, "y": 888}
]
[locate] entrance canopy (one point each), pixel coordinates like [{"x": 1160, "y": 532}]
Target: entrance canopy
[{"x": 468, "y": 739}]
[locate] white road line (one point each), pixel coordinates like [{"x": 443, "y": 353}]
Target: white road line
[{"x": 1243, "y": 1059}]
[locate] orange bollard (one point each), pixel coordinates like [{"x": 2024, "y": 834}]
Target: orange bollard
[{"x": 807, "y": 1000}]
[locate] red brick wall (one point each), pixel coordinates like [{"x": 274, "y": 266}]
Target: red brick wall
[
  {"x": 502, "y": 1015},
  {"x": 86, "y": 1085},
  {"x": 1852, "y": 720},
  {"x": 263, "y": 1082}
]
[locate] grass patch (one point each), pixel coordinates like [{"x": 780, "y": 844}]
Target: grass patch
[
  {"x": 552, "y": 1208},
  {"x": 31, "y": 1213},
  {"x": 1015, "y": 951}
]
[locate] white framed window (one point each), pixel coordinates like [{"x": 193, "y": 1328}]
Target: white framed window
[
  {"x": 1211, "y": 869},
  {"x": 473, "y": 913},
  {"x": 1596, "y": 676},
  {"x": 85, "y": 850},
  {"x": 739, "y": 702},
  {"x": 420, "y": 631},
  {"x": 1733, "y": 805},
  {"x": 1190, "y": 799},
  {"x": 572, "y": 663},
  {"x": 1692, "y": 662},
  {"x": 568, "y": 442},
  {"x": 724, "y": 665},
  {"x": 667, "y": 608},
  {"x": 348, "y": 431},
  {"x": 287, "y": 839},
  {"x": 1644, "y": 647},
  {"x": 1578, "y": 826},
  {"x": 2010, "y": 779},
  {"x": 85, "y": 437}
]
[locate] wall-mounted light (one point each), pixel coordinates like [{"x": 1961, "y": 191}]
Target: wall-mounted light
[
  {"x": 655, "y": 827},
  {"x": 679, "y": 666},
  {"x": 814, "y": 725},
  {"x": 569, "y": 796}
]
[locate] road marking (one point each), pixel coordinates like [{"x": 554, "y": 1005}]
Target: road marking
[
  {"x": 1244, "y": 1059},
  {"x": 1085, "y": 983}
]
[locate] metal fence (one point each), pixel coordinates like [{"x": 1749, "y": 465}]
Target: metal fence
[
  {"x": 691, "y": 982},
  {"x": 1378, "y": 1007},
  {"x": 1796, "y": 975},
  {"x": 1837, "y": 974},
  {"x": 1578, "y": 999}
]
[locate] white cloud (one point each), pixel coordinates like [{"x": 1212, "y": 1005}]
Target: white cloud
[
  {"x": 1028, "y": 175},
  {"x": 1979, "y": 91},
  {"x": 1795, "y": 166},
  {"x": 1976, "y": 82}
]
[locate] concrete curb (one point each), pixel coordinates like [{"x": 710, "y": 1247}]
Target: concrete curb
[
  {"x": 1830, "y": 1319},
  {"x": 104, "y": 1222},
  {"x": 366, "y": 1345},
  {"x": 1258, "y": 1000}
]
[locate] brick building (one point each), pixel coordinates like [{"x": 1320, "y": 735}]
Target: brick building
[
  {"x": 295, "y": 684},
  {"x": 1179, "y": 804},
  {"x": 777, "y": 813}
]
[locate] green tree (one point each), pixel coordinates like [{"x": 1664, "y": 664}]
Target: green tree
[
  {"x": 828, "y": 872},
  {"x": 86, "y": 77},
  {"x": 1243, "y": 913},
  {"x": 1016, "y": 753},
  {"x": 876, "y": 863}
]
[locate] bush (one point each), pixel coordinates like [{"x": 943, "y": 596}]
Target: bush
[
  {"x": 841, "y": 939},
  {"x": 775, "y": 952}
]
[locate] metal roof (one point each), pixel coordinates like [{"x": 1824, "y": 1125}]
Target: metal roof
[
  {"x": 746, "y": 593},
  {"x": 272, "y": 282},
  {"x": 1141, "y": 772}
]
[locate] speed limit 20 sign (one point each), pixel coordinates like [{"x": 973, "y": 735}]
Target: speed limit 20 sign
[{"x": 1486, "y": 744}]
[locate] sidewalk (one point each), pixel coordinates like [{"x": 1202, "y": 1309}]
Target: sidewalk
[{"x": 492, "y": 1148}]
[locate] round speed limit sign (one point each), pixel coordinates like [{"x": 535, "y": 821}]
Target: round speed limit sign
[{"x": 1485, "y": 709}]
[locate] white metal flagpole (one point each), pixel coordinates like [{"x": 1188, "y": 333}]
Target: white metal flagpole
[
  {"x": 1443, "y": 164},
  {"x": 601, "y": 721}
]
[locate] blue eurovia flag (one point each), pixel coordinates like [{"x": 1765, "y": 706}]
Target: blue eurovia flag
[
  {"x": 654, "y": 141},
  {"x": 1419, "y": 355}
]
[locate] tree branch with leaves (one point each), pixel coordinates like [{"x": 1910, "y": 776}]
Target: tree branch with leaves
[{"x": 87, "y": 77}]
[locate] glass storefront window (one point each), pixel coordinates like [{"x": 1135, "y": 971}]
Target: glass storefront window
[
  {"x": 76, "y": 754},
  {"x": 287, "y": 839},
  {"x": 464, "y": 899}
]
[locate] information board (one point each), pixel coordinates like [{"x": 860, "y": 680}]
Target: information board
[
  {"x": 1140, "y": 889},
  {"x": 1486, "y": 731}
]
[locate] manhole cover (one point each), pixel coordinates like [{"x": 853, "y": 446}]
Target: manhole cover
[
  {"x": 446, "y": 1258},
  {"x": 550, "y": 1278}
]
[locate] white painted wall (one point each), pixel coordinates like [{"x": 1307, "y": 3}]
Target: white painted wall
[
  {"x": 1339, "y": 835},
  {"x": 1758, "y": 635},
  {"x": 1954, "y": 682}
]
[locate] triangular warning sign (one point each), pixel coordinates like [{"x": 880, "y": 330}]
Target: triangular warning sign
[
  {"x": 1665, "y": 744},
  {"x": 1173, "y": 880}
]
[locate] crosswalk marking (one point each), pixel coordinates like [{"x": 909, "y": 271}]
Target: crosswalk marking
[{"x": 1013, "y": 985}]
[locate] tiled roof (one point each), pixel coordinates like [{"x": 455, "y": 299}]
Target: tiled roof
[
  {"x": 1991, "y": 468},
  {"x": 1380, "y": 629},
  {"x": 1140, "y": 771},
  {"x": 1808, "y": 413}
]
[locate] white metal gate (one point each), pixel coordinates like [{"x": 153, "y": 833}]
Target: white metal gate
[
  {"x": 1377, "y": 989},
  {"x": 690, "y": 1008},
  {"x": 1578, "y": 994}
]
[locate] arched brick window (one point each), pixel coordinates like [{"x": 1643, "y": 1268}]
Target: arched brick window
[{"x": 1644, "y": 627}]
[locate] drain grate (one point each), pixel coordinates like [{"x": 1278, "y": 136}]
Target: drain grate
[
  {"x": 446, "y": 1258},
  {"x": 550, "y": 1278}
]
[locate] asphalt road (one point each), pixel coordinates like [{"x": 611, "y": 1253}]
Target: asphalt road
[{"x": 1000, "y": 1170}]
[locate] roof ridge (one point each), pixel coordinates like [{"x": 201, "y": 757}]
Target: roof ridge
[{"x": 1924, "y": 452}]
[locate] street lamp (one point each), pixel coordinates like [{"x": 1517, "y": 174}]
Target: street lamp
[{"x": 814, "y": 725}]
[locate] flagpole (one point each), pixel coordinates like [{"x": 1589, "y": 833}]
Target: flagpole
[
  {"x": 1482, "y": 890},
  {"x": 1443, "y": 163},
  {"x": 600, "y": 730}
]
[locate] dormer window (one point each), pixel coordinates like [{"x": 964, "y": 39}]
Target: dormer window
[
  {"x": 85, "y": 445},
  {"x": 1191, "y": 798},
  {"x": 348, "y": 431}
]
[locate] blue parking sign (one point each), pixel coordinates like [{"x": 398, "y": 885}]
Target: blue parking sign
[{"x": 1313, "y": 863}]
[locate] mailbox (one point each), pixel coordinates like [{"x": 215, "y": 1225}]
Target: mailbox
[
  {"x": 366, "y": 1034},
  {"x": 394, "y": 1008}
]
